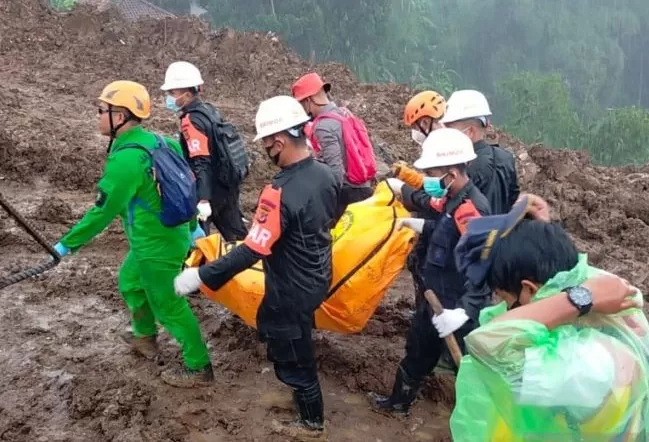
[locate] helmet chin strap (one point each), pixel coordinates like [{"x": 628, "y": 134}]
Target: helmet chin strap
[
  {"x": 113, "y": 128},
  {"x": 421, "y": 129}
]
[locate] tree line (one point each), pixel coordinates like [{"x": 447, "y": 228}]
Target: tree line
[{"x": 567, "y": 73}]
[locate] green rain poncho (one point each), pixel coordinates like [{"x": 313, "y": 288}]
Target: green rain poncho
[{"x": 585, "y": 381}]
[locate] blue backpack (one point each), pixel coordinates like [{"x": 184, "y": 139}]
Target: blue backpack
[{"x": 175, "y": 182}]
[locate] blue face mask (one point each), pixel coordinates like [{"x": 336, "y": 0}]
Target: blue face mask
[
  {"x": 435, "y": 187},
  {"x": 170, "y": 102}
]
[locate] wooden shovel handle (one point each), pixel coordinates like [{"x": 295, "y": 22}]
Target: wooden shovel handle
[{"x": 451, "y": 342}]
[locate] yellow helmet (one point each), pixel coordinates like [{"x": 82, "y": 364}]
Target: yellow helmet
[
  {"x": 424, "y": 104},
  {"x": 130, "y": 95}
]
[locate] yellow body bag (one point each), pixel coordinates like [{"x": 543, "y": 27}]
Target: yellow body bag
[{"x": 368, "y": 255}]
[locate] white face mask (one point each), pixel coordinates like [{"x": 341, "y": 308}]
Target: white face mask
[{"x": 418, "y": 137}]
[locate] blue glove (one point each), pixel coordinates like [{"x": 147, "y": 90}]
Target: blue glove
[
  {"x": 198, "y": 233},
  {"x": 61, "y": 249}
]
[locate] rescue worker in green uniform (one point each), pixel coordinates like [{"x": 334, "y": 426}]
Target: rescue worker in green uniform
[{"x": 156, "y": 252}]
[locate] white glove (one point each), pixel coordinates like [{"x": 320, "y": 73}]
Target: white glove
[
  {"x": 449, "y": 321},
  {"x": 204, "y": 211},
  {"x": 396, "y": 185},
  {"x": 187, "y": 282},
  {"x": 416, "y": 224}
]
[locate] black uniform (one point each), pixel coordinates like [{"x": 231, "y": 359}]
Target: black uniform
[
  {"x": 209, "y": 162},
  {"x": 494, "y": 174},
  {"x": 423, "y": 344},
  {"x": 290, "y": 233},
  {"x": 414, "y": 201}
]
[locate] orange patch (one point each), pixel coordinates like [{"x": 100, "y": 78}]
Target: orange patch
[
  {"x": 267, "y": 224},
  {"x": 465, "y": 213},
  {"x": 197, "y": 141}
]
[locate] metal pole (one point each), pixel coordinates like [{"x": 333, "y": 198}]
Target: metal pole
[{"x": 25, "y": 274}]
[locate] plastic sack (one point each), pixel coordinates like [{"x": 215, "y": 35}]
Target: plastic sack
[
  {"x": 585, "y": 381},
  {"x": 368, "y": 255}
]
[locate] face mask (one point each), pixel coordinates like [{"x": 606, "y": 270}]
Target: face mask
[
  {"x": 418, "y": 137},
  {"x": 435, "y": 187},
  {"x": 170, "y": 102}
]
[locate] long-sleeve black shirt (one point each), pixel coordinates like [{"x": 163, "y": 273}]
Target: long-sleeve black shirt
[
  {"x": 200, "y": 147},
  {"x": 494, "y": 173},
  {"x": 290, "y": 233}
]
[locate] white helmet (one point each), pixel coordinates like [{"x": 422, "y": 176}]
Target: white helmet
[
  {"x": 445, "y": 147},
  {"x": 181, "y": 75},
  {"x": 278, "y": 114},
  {"x": 464, "y": 105}
]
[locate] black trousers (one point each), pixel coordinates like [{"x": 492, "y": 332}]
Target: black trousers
[
  {"x": 413, "y": 265},
  {"x": 424, "y": 347},
  {"x": 350, "y": 195},
  {"x": 292, "y": 352},
  {"x": 293, "y": 358},
  {"x": 294, "y": 361},
  {"x": 227, "y": 217}
]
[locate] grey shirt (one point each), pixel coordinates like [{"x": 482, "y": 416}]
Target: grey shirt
[{"x": 329, "y": 134}]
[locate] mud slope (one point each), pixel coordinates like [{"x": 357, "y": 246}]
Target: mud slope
[{"x": 65, "y": 376}]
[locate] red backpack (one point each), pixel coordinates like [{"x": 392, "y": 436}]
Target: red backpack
[{"x": 359, "y": 153}]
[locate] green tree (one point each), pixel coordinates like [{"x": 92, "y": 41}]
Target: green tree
[
  {"x": 551, "y": 68},
  {"x": 621, "y": 138},
  {"x": 539, "y": 109},
  {"x": 63, "y": 5}
]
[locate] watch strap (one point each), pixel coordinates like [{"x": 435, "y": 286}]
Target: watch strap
[{"x": 582, "y": 308}]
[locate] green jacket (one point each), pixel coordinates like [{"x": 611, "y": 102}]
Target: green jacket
[{"x": 126, "y": 177}]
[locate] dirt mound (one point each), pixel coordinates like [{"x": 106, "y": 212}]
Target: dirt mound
[
  {"x": 606, "y": 210},
  {"x": 68, "y": 378},
  {"x": 51, "y": 129}
]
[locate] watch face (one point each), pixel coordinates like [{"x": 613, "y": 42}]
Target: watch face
[{"x": 581, "y": 296}]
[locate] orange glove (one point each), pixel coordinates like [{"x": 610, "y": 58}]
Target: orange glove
[{"x": 409, "y": 176}]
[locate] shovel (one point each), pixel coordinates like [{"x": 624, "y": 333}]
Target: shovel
[
  {"x": 451, "y": 342},
  {"x": 28, "y": 273}
]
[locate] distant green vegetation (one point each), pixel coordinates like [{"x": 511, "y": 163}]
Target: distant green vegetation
[
  {"x": 568, "y": 73},
  {"x": 63, "y": 5}
]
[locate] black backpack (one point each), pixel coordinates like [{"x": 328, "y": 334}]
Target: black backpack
[{"x": 231, "y": 143}]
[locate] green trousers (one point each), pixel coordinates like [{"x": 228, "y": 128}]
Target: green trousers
[{"x": 147, "y": 287}]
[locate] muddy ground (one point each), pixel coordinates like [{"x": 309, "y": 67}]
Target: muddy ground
[{"x": 64, "y": 374}]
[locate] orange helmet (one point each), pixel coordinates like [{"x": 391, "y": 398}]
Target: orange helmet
[
  {"x": 424, "y": 104},
  {"x": 130, "y": 95}
]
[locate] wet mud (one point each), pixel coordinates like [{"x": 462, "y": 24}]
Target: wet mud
[{"x": 64, "y": 373}]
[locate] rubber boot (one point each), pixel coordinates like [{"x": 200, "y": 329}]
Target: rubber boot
[
  {"x": 310, "y": 422},
  {"x": 183, "y": 377},
  {"x": 403, "y": 395},
  {"x": 145, "y": 346}
]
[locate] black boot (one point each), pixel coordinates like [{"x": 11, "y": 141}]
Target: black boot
[
  {"x": 310, "y": 422},
  {"x": 403, "y": 395},
  {"x": 310, "y": 406}
]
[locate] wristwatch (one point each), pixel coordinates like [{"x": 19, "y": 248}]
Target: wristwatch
[{"x": 581, "y": 298}]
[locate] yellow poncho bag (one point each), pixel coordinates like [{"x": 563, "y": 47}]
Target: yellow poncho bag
[{"x": 368, "y": 254}]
